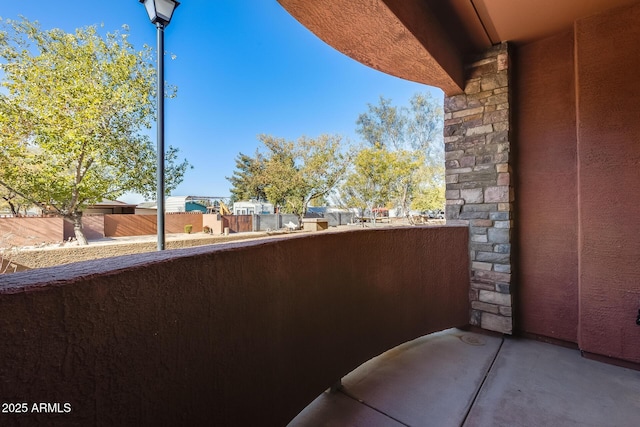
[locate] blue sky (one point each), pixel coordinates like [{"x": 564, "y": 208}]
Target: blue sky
[{"x": 242, "y": 68}]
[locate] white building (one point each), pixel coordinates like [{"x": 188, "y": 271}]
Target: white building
[{"x": 252, "y": 207}]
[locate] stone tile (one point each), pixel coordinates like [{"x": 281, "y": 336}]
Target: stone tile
[
  {"x": 502, "y": 168},
  {"x": 452, "y": 194},
  {"x": 451, "y": 179},
  {"x": 504, "y": 179},
  {"x": 483, "y": 306},
  {"x": 476, "y": 265},
  {"x": 503, "y": 248},
  {"x": 499, "y": 216},
  {"x": 495, "y": 298},
  {"x": 468, "y": 112},
  {"x": 480, "y": 238},
  {"x": 499, "y": 235},
  {"x": 493, "y": 277},
  {"x": 494, "y": 322},
  {"x": 502, "y": 268},
  {"x": 502, "y": 224},
  {"x": 468, "y": 161},
  {"x": 485, "y": 129},
  {"x": 503, "y": 61},
  {"x": 505, "y": 311},
  {"x": 473, "y": 195},
  {"x": 455, "y": 103},
  {"x": 492, "y": 257}
]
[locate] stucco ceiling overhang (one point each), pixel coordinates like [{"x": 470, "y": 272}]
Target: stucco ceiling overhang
[
  {"x": 399, "y": 37},
  {"x": 426, "y": 41}
]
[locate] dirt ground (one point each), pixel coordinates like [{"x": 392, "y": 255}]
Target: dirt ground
[{"x": 67, "y": 252}]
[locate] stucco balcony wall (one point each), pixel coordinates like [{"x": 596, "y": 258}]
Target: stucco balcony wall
[{"x": 190, "y": 336}]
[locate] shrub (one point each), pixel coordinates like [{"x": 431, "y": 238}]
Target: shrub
[
  {"x": 206, "y": 229},
  {"x": 188, "y": 228}
]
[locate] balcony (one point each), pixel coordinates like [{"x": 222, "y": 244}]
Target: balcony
[{"x": 250, "y": 333}]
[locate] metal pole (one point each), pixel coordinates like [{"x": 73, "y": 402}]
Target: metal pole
[{"x": 160, "y": 126}]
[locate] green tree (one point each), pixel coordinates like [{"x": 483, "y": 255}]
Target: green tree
[
  {"x": 10, "y": 200},
  {"x": 383, "y": 125},
  {"x": 293, "y": 173},
  {"x": 429, "y": 195},
  {"x": 280, "y": 174},
  {"x": 373, "y": 180},
  {"x": 425, "y": 126},
  {"x": 414, "y": 134},
  {"x": 425, "y": 133},
  {"x": 246, "y": 181},
  {"x": 406, "y": 167},
  {"x": 72, "y": 117}
]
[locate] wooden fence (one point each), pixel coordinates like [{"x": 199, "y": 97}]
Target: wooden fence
[{"x": 35, "y": 231}]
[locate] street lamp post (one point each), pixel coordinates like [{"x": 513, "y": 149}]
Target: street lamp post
[{"x": 160, "y": 13}]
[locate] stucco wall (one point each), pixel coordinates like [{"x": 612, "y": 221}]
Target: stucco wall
[
  {"x": 34, "y": 231},
  {"x": 141, "y": 225},
  {"x": 92, "y": 226},
  {"x": 30, "y": 231},
  {"x": 608, "y": 60},
  {"x": 547, "y": 194},
  {"x": 579, "y": 184},
  {"x": 237, "y": 334}
]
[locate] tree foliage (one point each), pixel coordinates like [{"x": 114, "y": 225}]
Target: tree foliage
[
  {"x": 246, "y": 181},
  {"x": 383, "y": 125},
  {"x": 72, "y": 117},
  {"x": 371, "y": 181},
  {"x": 406, "y": 151},
  {"x": 290, "y": 174}
]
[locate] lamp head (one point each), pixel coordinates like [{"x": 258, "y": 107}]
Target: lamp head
[{"x": 160, "y": 11}]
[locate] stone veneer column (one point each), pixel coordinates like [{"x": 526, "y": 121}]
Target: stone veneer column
[{"x": 479, "y": 188}]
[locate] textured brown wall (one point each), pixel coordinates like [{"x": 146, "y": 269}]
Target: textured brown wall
[
  {"x": 30, "y": 231},
  {"x": 142, "y": 225},
  {"x": 174, "y": 223},
  {"x": 547, "y": 207},
  {"x": 129, "y": 225},
  {"x": 92, "y": 226},
  {"x": 578, "y": 133},
  {"x": 237, "y": 334},
  {"x": 608, "y": 60}
]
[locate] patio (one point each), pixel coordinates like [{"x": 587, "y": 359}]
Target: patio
[
  {"x": 541, "y": 139},
  {"x": 460, "y": 378}
]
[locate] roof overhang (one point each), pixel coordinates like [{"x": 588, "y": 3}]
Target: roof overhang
[
  {"x": 427, "y": 41},
  {"x": 398, "y": 37}
]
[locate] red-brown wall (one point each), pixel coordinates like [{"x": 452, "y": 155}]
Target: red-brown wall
[
  {"x": 30, "y": 231},
  {"x": 578, "y": 185},
  {"x": 92, "y": 226},
  {"x": 142, "y": 225},
  {"x": 608, "y": 62},
  {"x": 243, "y": 334},
  {"x": 547, "y": 206}
]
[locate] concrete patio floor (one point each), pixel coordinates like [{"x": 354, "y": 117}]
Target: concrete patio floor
[{"x": 459, "y": 378}]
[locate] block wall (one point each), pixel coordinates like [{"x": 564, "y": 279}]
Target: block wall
[{"x": 479, "y": 190}]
